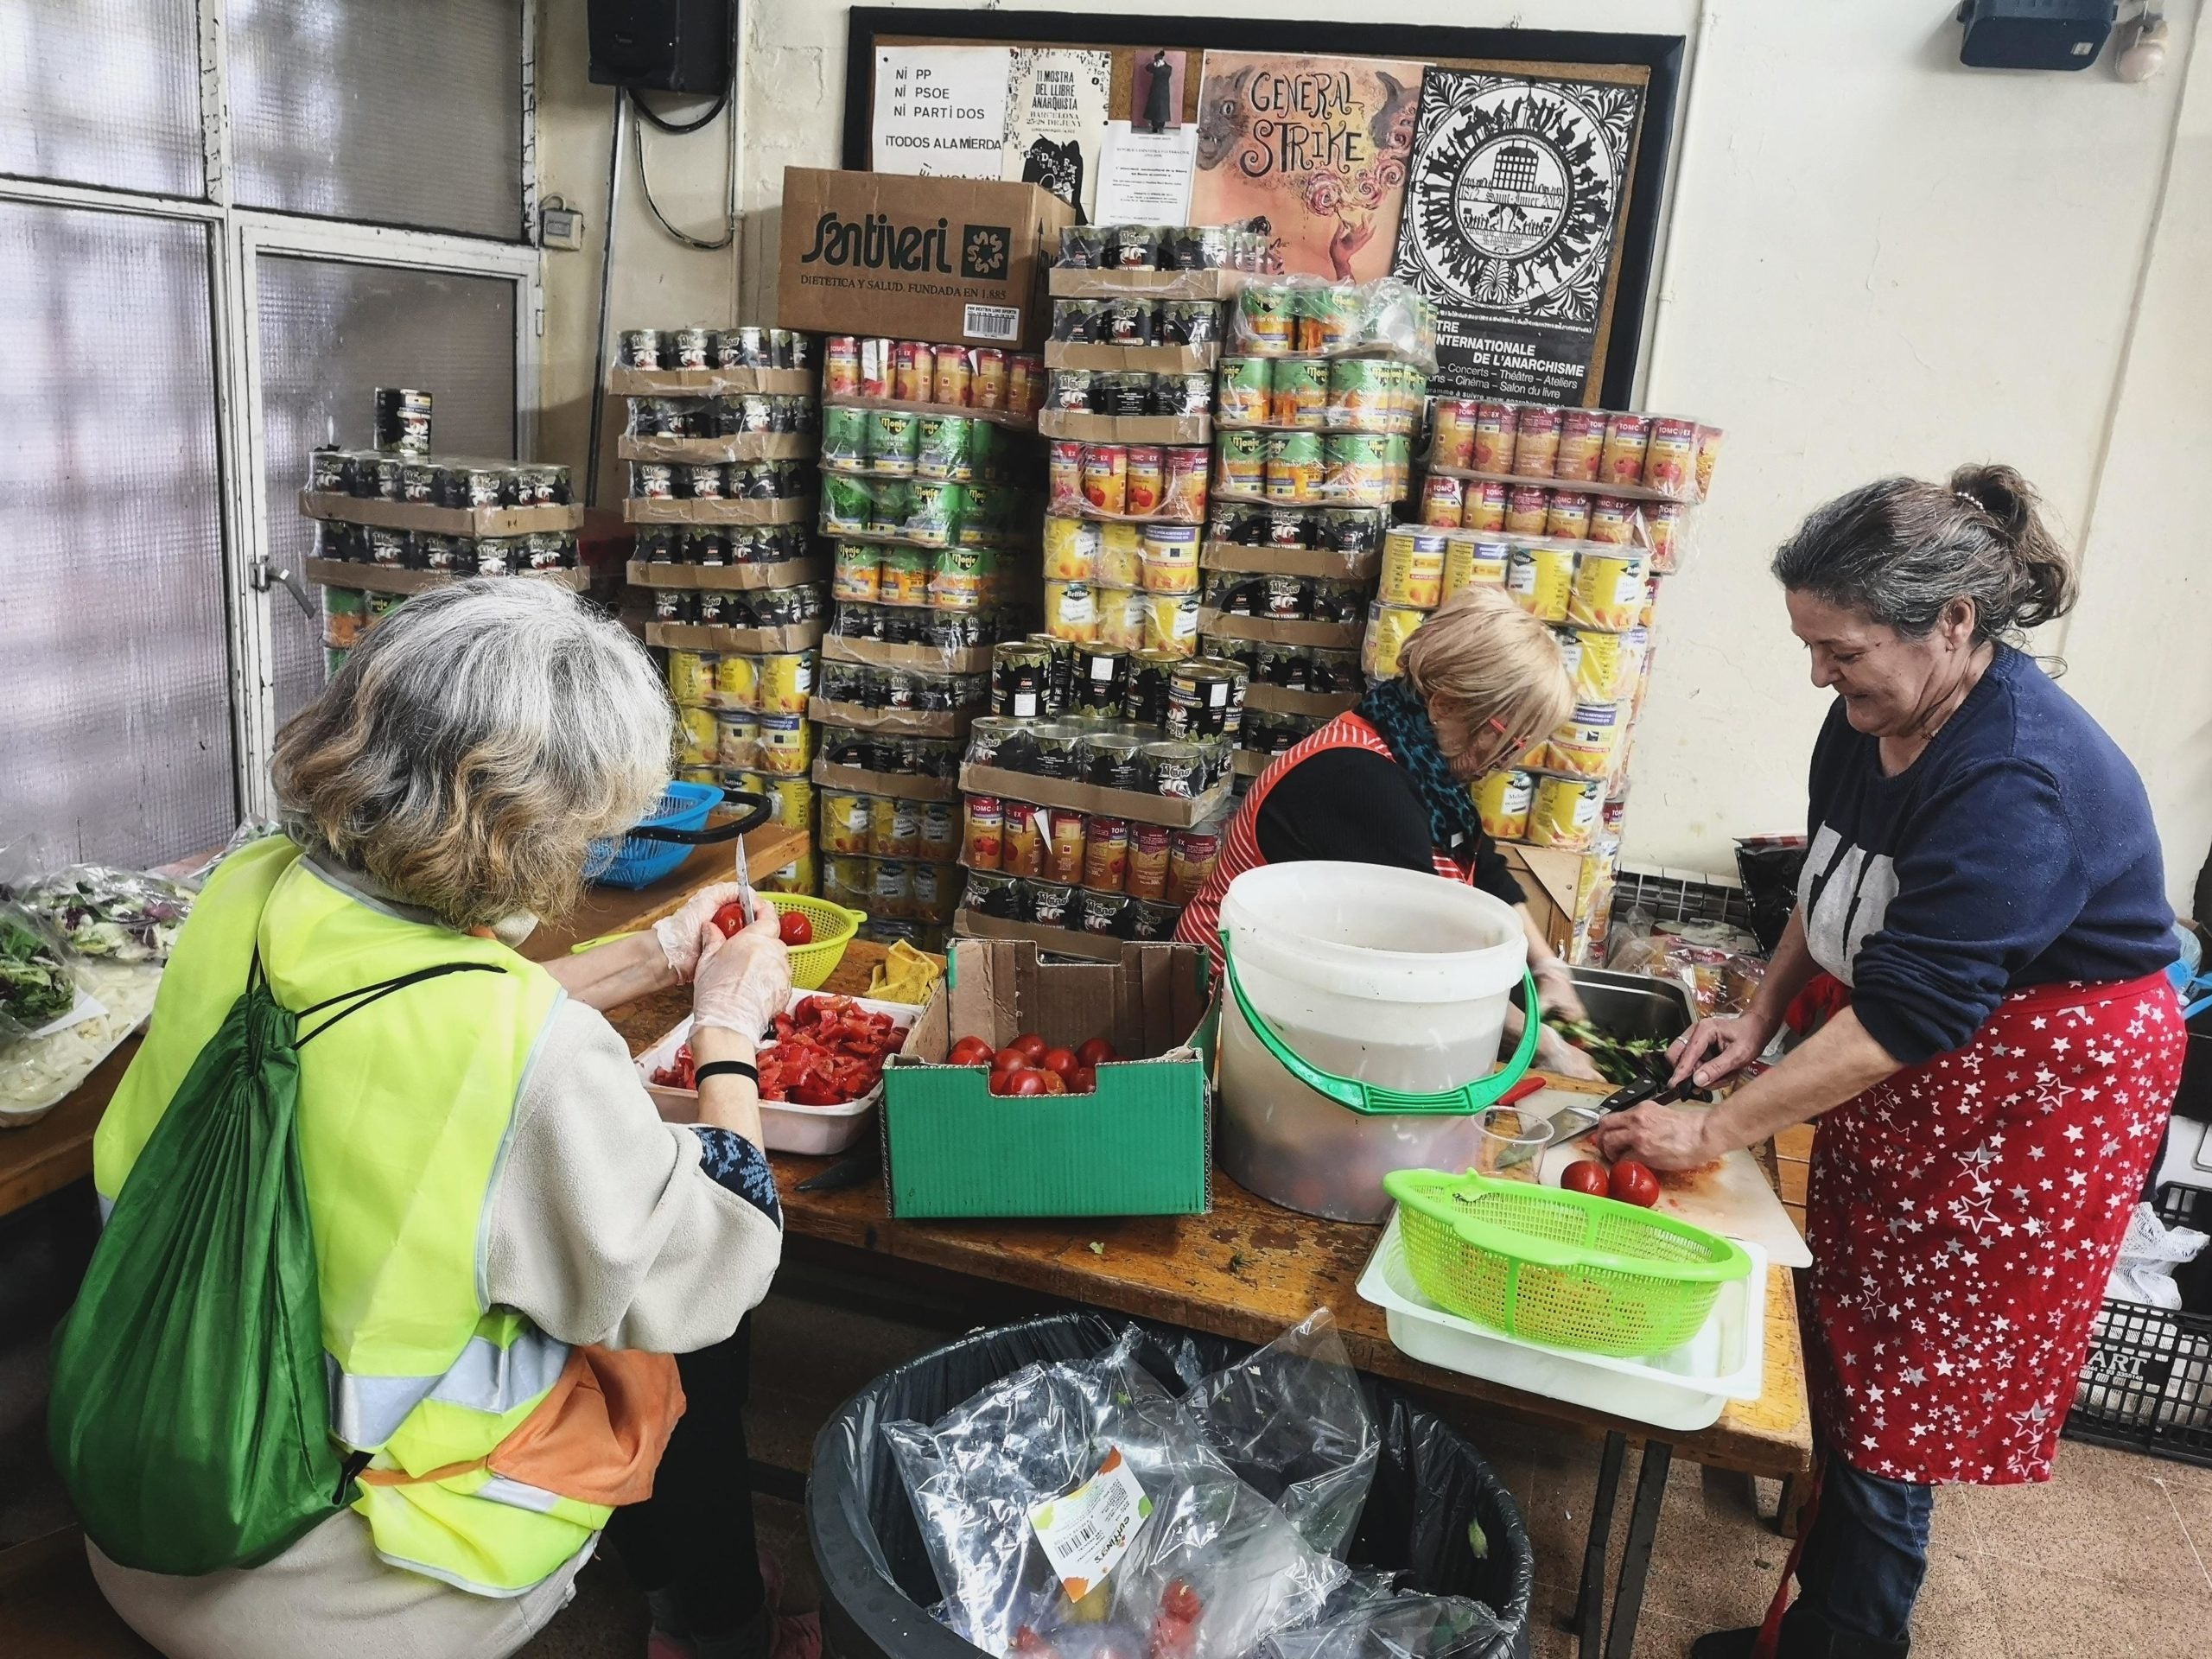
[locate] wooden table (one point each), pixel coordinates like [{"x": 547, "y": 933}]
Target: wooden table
[{"x": 45, "y": 1156}]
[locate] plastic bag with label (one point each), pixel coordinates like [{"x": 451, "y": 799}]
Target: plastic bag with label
[{"x": 1162, "y": 1552}]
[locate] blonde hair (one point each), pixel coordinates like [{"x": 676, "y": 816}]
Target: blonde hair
[
  {"x": 475, "y": 743},
  {"x": 1485, "y": 658}
]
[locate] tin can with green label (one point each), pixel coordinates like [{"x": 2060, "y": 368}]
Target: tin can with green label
[
  {"x": 1242, "y": 458},
  {"x": 1293, "y": 465},
  {"x": 847, "y": 503},
  {"x": 844, "y": 436},
  {"x": 1266, "y": 317},
  {"x": 1358, "y": 469},
  {"x": 893, "y": 436},
  {"x": 892, "y": 500},
  {"x": 1336, "y": 319},
  {"x": 1301, "y": 393},
  {"x": 944, "y": 447},
  {"x": 934, "y": 510},
  {"x": 1246, "y": 394}
]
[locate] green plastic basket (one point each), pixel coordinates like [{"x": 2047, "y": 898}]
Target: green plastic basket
[{"x": 1563, "y": 1268}]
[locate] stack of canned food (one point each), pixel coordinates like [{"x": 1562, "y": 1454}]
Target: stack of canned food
[
  {"x": 348, "y": 613},
  {"x": 900, "y": 443},
  {"x": 1322, "y": 670},
  {"x": 1131, "y": 392},
  {"x": 1299, "y": 316},
  {"x": 753, "y": 413},
  {"x": 1311, "y": 468},
  {"x": 721, "y": 544},
  {"x": 892, "y": 857},
  {"x": 1356, "y": 533},
  {"x": 1160, "y": 247},
  {"x": 1104, "y": 755},
  {"x": 699, "y": 347},
  {"x": 894, "y": 755},
  {"x": 1046, "y": 678},
  {"x": 1116, "y": 878},
  {"x": 461, "y": 556},
  {"x": 1275, "y": 596},
  {"x": 902, "y": 690},
  {"x": 981, "y": 377},
  {"x": 1344, "y": 394},
  {"x": 896, "y": 623},
  {"x": 1136, "y": 319},
  {"x": 935, "y": 513},
  {"x": 941, "y": 578},
  {"x": 741, "y": 608},
  {"x": 432, "y": 482},
  {"x": 736, "y": 480},
  {"x": 1129, "y": 481},
  {"x": 743, "y": 713}
]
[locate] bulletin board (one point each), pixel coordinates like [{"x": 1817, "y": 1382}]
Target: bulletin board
[{"x": 1529, "y": 163}]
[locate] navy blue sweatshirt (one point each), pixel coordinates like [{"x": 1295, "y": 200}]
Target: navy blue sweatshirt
[{"x": 2018, "y": 849}]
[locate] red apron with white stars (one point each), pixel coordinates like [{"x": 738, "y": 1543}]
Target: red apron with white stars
[{"x": 1964, "y": 1216}]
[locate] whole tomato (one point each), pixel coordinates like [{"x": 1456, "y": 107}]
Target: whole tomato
[
  {"x": 1083, "y": 1080},
  {"x": 1031, "y": 1046},
  {"x": 1584, "y": 1177},
  {"x": 1027, "y": 1080},
  {"x": 970, "y": 1050},
  {"x": 1634, "y": 1184},
  {"x": 1009, "y": 1058},
  {"x": 731, "y": 919},
  {"x": 794, "y": 928},
  {"x": 1097, "y": 1052},
  {"x": 1059, "y": 1060}
]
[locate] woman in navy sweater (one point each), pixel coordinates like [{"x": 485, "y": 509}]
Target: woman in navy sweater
[{"x": 1985, "y": 876}]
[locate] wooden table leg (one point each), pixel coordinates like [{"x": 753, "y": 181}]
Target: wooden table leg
[
  {"x": 1590, "y": 1599},
  {"x": 1790, "y": 1519},
  {"x": 1635, "y": 1557}
]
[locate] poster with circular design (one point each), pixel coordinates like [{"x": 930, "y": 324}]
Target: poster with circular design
[{"x": 1516, "y": 189}]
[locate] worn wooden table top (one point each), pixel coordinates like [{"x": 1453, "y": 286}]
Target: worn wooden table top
[
  {"x": 1248, "y": 1269},
  {"x": 45, "y": 1156}
]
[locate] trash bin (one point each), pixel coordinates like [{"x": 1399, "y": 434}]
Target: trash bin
[{"x": 877, "y": 1584}]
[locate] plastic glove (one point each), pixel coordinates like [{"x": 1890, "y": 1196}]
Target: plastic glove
[
  {"x": 1555, "y": 989},
  {"x": 679, "y": 934},
  {"x": 742, "y": 982},
  {"x": 1555, "y": 1053}
]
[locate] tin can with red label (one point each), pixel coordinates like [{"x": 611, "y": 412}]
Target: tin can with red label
[
  {"x": 1626, "y": 435},
  {"x": 988, "y": 379},
  {"x": 1708, "y": 451},
  {"x": 1064, "y": 472},
  {"x": 1535, "y": 440},
  {"x": 1025, "y": 385},
  {"x": 1494, "y": 430},
  {"x": 1191, "y": 855},
  {"x": 1581, "y": 445},
  {"x": 912, "y": 363},
  {"x": 952, "y": 377},
  {"x": 1442, "y": 500},
  {"x": 876, "y": 373},
  {"x": 1485, "y": 506},
  {"x": 1670, "y": 460},
  {"x": 1147, "y": 480},
  {"x": 1569, "y": 515},
  {"x": 1453, "y": 443},
  {"x": 1189, "y": 470},
  {"x": 1613, "y": 520},
  {"x": 1106, "y": 476},
  {"x": 1527, "y": 508},
  {"x": 841, "y": 366}
]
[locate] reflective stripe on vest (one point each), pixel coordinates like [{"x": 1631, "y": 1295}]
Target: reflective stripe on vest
[{"x": 404, "y": 1111}]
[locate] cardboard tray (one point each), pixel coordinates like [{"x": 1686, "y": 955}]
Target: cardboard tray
[
  {"x": 787, "y": 509},
  {"x": 1321, "y": 705},
  {"x": 1594, "y": 487},
  {"x": 1125, "y": 428},
  {"x": 1134, "y": 804},
  {"x": 902, "y": 786},
  {"x": 782, "y": 573},
  {"x": 438, "y": 521},
  {"x": 1250, "y": 763},
  {"x": 1341, "y": 636},
  {"x": 1291, "y": 561},
  {"x": 1054, "y": 941},
  {"x": 384, "y": 578},
  {"x": 1139, "y": 1145},
  {"x": 706, "y": 382},
  {"x": 702, "y": 452},
  {"x": 902, "y": 723},
  {"x": 1148, "y": 360},
  {"x": 974, "y": 659},
  {"x": 741, "y": 642},
  {"x": 1004, "y": 418},
  {"x": 1091, "y": 283}
]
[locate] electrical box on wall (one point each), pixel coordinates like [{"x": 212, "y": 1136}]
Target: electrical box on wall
[
  {"x": 667, "y": 46},
  {"x": 2034, "y": 34}
]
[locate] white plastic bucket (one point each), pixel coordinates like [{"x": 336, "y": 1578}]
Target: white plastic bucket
[{"x": 1393, "y": 976}]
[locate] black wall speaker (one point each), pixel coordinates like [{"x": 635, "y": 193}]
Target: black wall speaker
[
  {"x": 670, "y": 46},
  {"x": 2034, "y": 34}
]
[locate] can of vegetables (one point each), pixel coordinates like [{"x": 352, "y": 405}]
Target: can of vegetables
[{"x": 1502, "y": 801}]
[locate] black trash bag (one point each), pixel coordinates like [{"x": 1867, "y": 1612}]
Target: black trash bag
[
  {"x": 1433, "y": 1495},
  {"x": 1769, "y": 867}
]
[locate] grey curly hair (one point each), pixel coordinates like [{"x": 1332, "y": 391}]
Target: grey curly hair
[{"x": 475, "y": 744}]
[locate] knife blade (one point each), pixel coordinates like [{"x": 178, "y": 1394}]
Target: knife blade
[{"x": 1654, "y": 1090}]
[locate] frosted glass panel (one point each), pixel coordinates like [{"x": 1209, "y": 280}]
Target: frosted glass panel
[
  {"x": 102, "y": 92},
  {"x": 395, "y": 111},
  {"x": 115, "y": 728},
  {"x": 333, "y": 333}
]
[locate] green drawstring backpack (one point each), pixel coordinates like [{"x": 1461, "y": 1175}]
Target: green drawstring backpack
[{"x": 191, "y": 1410}]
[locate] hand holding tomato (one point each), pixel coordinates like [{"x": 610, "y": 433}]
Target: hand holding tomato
[{"x": 678, "y": 935}]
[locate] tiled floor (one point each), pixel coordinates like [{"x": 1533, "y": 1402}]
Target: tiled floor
[{"x": 2108, "y": 1561}]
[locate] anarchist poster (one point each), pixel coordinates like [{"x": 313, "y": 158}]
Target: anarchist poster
[
  {"x": 1056, "y": 101},
  {"x": 1318, "y": 147},
  {"x": 1513, "y": 206}
]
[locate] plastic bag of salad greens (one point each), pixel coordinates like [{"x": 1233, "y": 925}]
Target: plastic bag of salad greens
[
  {"x": 35, "y": 986},
  {"x": 99, "y": 911}
]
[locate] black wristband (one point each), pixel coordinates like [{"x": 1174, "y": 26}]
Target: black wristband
[{"x": 727, "y": 1069}]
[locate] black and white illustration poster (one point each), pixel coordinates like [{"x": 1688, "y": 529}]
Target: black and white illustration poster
[{"x": 1513, "y": 204}]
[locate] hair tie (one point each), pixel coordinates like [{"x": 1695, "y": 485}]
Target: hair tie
[{"x": 1971, "y": 500}]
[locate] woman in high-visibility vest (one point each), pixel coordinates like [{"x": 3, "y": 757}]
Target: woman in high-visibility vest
[{"x": 509, "y": 1242}]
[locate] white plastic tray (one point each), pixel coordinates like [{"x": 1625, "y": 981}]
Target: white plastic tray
[
  {"x": 813, "y": 1130},
  {"x": 1685, "y": 1389}
]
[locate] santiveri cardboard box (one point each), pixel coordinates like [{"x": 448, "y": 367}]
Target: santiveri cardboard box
[{"x": 948, "y": 260}]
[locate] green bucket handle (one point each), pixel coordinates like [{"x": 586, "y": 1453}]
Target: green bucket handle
[{"x": 1370, "y": 1101}]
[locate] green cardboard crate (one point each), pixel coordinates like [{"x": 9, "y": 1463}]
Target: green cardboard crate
[{"x": 1138, "y": 1146}]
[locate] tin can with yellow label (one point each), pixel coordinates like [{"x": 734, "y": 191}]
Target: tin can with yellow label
[
  {"x": 1541, "y": 578},
  {"x": 786, "y": 744},
  {"x": 698, "y": 740},
  {"x": 1120, "y": 618},
  {"x": 1600, "y": 668},
  {"x": 1608, "y": 591},
  {"x": 1169, "y": 559},
  {"x": 791, "y": 800},
  {"x": 845, "y": 822},
  {"x": 1171, "y": 624},
  {"x": 1502, "y": 801},
  {"x": 1473, "y": 562},
  {"x": 786, "y": 680},
  {"x": 737, "y": 682},
  {"x": 690, "y": 677},
  {"x": 1389, "y": 628},
  {"x": 1071, "y": 548},
  {"x": 1121, "y": 556},
  {"x": 1071, "y": 611},
  {"x": 737, "y": 738},
  {"x": 1413, "y": 568},
  {"x": 894, "y": 827},
  {"x": 1564, "y": 813},
  {"x": 1587, "y": 744}
]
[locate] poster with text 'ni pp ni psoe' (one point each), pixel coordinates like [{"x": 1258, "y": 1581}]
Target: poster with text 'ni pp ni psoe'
[
  {"x": 1318, "y": 147},
  {"x": 1512, "y": 210}
]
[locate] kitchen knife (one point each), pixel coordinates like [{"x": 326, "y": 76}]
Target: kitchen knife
[{"x": 1654, "y": 1090}]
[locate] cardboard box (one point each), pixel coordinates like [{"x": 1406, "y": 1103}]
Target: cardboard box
[
  {"x": 708, "y": 383},
  {"x": 1138, "y": 1146},
  {"x": 904, "y": 786},
  {"x": 950, "y": 260},
  {"x": 1076, "y": 423},
  {"x": 390, "y": 579},
  {"x": 1549, "y": 875},
  {"x": 900, "y": 722},
  {"x": 877, "y": 653},
  {"x": 1136, "y": 803},
  {"x": 1131, "y": 359},
  {"x": 1291, "y": 561},
  {"x": 1054, "y": 941},
  {"x": 1316, "y": 705},
  {"x": 780, "y": 573},
  {"x": 706, "y": 452},
  {"x": 966, "y": 411},
  {"x": 737, "y": 642},
  {"x": 438, "y": 521},
  {"x": 1089, "y": 283},
  {"x": 787, "y": 509},
  {"x": 1337, "y": 636}
]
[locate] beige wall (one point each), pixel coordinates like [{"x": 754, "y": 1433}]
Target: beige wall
[{"x": 1874, "y": 261}]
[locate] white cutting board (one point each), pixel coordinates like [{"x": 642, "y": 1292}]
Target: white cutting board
[{"x": 1731, "y": 1198}]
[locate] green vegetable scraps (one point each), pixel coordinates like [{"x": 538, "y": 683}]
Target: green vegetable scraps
[
  {"x": 34, "y": 988},
  {"x": 1619, "y": 1060},
  {"x": 1478, "y": 1540},
  {"x": 1097, "y": 1249}
]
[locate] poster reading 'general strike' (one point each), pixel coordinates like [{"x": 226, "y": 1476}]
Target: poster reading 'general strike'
[{"x": 1512, "y": 202}]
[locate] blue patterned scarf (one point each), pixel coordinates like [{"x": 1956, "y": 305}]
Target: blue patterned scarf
[{"x": 1395, "y": 710}]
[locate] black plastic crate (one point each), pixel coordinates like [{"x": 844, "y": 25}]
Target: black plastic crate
[{"x": 2147, "y": 1384}]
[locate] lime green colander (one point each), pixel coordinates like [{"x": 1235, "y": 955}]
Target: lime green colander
[{"x": 1563, "y": 1268}]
